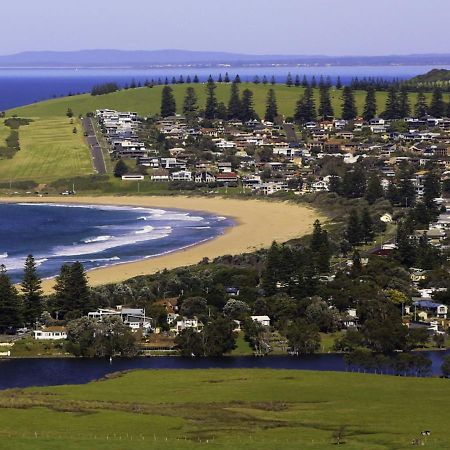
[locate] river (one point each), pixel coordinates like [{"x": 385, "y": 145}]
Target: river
[{"x": 19, "y": 373}]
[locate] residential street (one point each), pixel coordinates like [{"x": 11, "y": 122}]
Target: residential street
[{"x": 96, "y": 151}]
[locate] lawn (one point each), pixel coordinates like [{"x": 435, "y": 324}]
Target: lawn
[
  {"x": 146, "y": 101},
  {"x": 228, "y": 409},
  {"x": 49, "y": 150}
]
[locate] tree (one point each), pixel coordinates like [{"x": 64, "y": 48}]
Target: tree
[
  {"x": 194, "y": 306},
  {"x": 320, "y": 246},
  {"x": 421, "y": 107},
  {"x": 353, "y": 231},
  {"x": 370, "y": 105},
  {"x": 374, "y": 189},
  {"x": 325, "y": 106},
  {"x": 71, "y": 291},
  {"x": 168, "y": 105},
  {"x": 406, "y": 190},
  {"x": 367, "y": 230},
  {"x": 432, "y": 189},
  {"x": 289, "y": 82},
  {"x": 234, "y": 104},
  {"x": 120, "y": 169},
  {"x": 190, "y": 101},
  {"x": 31, "y": 292},
  {"x": 297, "y": 81},
  {"x": 437, "y": 106},
  {"x": 247, "y": 108},
  {"x": 303, "y": 338},
  {"x": 219, "y": 337},
  {"x": 237, "y": 79},
  {"x": 234, "y": 308},
  {"x": 211, "y": 100},
  {"x": 107, "y": 338},
  {"x": 189, "y": 343},
  {"x": 338, "y": 83},
  {"x": 306, "y": 109},
  {"x": 445, "y": 367},
  {"x": 404, "y": 105},
  {"x": 271, "y": 106},
  {"x": 69, "y": 113},
  {"x": 349, "y": 111},
  {"x": 392, "y": 108},
  {"x": 10, "y": 308}
]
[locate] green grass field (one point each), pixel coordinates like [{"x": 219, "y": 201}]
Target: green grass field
[
  {"x": 146, "y": 101},
  {"x": 228, "y": 409},
  {"x": 49, "y": 150}
]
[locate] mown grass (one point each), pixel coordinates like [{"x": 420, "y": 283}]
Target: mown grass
[
  {"x": 49, "y": 150},
  {"x": 146, "y": 101},
  {"x": 228, "y": 409}
]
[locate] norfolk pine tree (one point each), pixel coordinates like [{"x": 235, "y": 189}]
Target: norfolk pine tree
[{"x": 32, "y": 294}]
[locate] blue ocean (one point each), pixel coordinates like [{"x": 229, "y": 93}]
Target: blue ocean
[
  {"x": 24, "y": 86},
  {"x": 96, "y": 236}
]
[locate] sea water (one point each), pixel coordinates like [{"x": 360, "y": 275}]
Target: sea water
[{"x": 96, "y": 235}]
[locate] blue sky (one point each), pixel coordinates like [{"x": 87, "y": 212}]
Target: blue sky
[{"x": 331, "y": 27}]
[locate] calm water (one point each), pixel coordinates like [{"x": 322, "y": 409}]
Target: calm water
[
  {"x": 23, "y": 86},
  {"x": 47, "y": 372},
  {"x": 97, "y": 236}
]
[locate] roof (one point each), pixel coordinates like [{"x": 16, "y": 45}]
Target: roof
[
  {"x": 55, "y": 329},
  {"x": 428, "y": 304}
]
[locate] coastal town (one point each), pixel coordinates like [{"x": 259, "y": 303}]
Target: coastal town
[{"x": 383, "y": 181}]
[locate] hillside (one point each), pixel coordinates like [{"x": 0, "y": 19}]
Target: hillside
[
  {"x": 146, "y": 101},
  {"x": 229, "y": 409},
  {"x": 433, "y": 76}
]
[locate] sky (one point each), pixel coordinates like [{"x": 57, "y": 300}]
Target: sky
[{"x": 301, "y": 27}]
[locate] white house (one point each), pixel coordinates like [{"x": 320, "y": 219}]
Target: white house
[
  {"x": 263, "y": 320},
  {"x": 186, "y": 323},
  {"x": 50, "y": 334},
  {"x": 182, "y": 175}
]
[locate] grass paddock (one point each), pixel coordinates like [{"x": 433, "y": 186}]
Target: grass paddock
[{"x": 228, "y": 409}]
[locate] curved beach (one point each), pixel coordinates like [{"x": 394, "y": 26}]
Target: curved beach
[{"x": 257, "y": 224}]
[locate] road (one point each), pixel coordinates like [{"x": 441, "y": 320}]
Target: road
[{"x": 96, "y": 151}]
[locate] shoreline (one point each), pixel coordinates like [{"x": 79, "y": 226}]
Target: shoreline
[{"x": 257, "y": 223}]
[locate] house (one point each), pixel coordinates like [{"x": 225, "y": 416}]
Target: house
[
  {"x": 160, "y": 175},
  {"x": 50, "y": 334},
  {"x": 435, "y": 309},
  {"x": 227, "y": 177},
  {"x": 204, "y": 177},
  {"x": 262, "y": 320},
  {"x": 182, "y": 175},
  {"x": 134, "y": 318},
  {"x": 186, "y": 323}
]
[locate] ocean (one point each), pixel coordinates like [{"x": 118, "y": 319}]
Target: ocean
[
  {"x": 24, "y": 86},
  {"x": 96, "y": 236}
]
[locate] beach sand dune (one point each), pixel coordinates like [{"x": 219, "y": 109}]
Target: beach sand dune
[{"x": 257, "y": 224}]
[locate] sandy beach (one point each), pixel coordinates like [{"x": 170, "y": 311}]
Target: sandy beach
[{"x": 257, "y": 224}]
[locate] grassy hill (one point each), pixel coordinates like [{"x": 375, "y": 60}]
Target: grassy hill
[
  {"x": 49, "y": 150},
  {"x": 228, "y": 409},
  {"x": 433, "y": 76},
  {"x": 146, "y": 101}
]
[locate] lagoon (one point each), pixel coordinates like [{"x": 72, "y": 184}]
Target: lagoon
[{"x": 57, "y": 371}]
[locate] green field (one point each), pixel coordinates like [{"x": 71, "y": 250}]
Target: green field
[
  {"x": 146, "y": 101},
  {"x": 49, "y": 150},
  {"x": 228, "y": 409}
]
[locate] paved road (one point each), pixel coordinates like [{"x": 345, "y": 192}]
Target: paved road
[{"x": 96, "y": 151}]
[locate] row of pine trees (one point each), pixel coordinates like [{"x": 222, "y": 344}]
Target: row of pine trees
[
  {"x": 24, "y": 307},
  {"x": 241, "y": 107}
]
